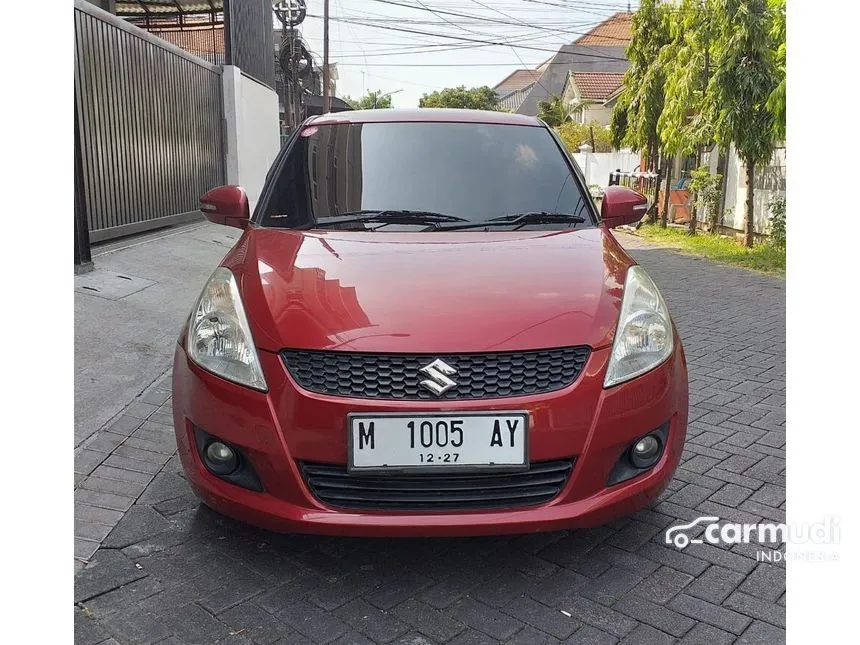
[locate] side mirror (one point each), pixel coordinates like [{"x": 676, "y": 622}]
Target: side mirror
[
  {"x": 226, "y": 205},
  {"x": 622, "y": 206}
]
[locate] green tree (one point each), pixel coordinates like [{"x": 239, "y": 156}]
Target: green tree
[
  {"x": 476, "y": 98},
  {"x": 554, "y": 112},
  {"x": 373, "y": 100},
  {"x": 683, "y": 125},
  {"x": 776, "y": 100},
  {"x": 575, "y": 134},
  {"x": 635, "y": 117},
  {"x": 743, "y": 80}
]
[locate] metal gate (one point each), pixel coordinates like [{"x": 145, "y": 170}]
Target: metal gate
[{"x": 150, "y": 126}]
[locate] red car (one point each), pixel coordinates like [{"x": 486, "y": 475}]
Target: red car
[{"x": 427, "y": 329}]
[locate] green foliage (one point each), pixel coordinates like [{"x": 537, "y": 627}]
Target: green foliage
[
  {"x": 683, "y": 125},
  {"x": 776, "y": 100},
  {"x": 554, "y": 112},
  {"x": 476, "y": 98},
  {"x": 643, "y": 94},
  {"x": 703, "y": 70},
  {"x": 744, "y": 79},
  {"x": 777, "y": 222},
  {"x": 619, "y": 123},
  {"x": 575, "y": 134},
  {"x": 373, "y": 100},
  {"x": 761, "y": 257},
  {"x": 706, "y": 188},
  {"x": 742, "y": 84}
]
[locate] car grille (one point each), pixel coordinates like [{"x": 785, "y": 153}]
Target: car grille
[
  {"x": 398, "y": 376},
  {"x": 334, "y": 486}
]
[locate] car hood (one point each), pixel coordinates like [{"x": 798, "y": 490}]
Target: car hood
[{"x": 430, "y": 292}]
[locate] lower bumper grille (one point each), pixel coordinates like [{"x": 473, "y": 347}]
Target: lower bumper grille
[{"x": 334, "y": 486}]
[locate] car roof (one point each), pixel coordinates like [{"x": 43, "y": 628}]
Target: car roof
[{"x": 434, "y": 115}]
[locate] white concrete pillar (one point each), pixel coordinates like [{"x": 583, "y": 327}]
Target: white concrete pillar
[
  {"x": 231, "y": 95},
  {"x": 585, "y": 149}
]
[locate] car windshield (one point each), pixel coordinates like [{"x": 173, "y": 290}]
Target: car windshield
[{"x": 396, "y": 176}]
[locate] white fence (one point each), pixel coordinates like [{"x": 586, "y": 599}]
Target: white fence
[{"x": 596, "y": 166}]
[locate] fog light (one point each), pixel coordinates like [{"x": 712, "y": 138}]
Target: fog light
[
  {"x": 645, "y": 452},
  {"x": 220, "y": 458}
]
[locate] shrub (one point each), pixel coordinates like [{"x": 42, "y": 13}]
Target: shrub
[
  {"x": 706, "y": 188},
  {"x": 575, "y": 134},
  {"x": 777, "y": 222}
]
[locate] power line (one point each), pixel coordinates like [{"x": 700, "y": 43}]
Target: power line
[
  {"x": 463, "y": 38},
  {"x": 516, "y": 53},
  {"x": 511, "y": 19},
  {"x": 530, "y": 65}
]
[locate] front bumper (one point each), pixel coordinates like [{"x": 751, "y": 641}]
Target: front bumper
[{"x": 287, "y": 425}]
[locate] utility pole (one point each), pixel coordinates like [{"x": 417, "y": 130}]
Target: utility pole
[
  {"x": 377, "y": 97},
  {"x": 326, "y": 79}
]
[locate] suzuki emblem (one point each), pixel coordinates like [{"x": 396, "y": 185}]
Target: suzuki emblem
[{"x": 438, "y": 371}]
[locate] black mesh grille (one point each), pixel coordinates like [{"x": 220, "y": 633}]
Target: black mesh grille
[
  {"x": 334, "y": 486},
  {"x": 398, "y": 376}
]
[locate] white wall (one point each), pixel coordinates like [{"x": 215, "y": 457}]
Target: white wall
[
  {"x": 599, "y": 113},
  {"x": 252, "y": 133},
  {"x": 596, "y": 166},
  {"x": 769, "y": 185}
]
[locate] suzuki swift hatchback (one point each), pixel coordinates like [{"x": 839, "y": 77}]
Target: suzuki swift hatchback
[{"x": 427, "y": 329}]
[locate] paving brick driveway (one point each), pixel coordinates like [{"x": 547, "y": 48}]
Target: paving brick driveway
[{"x": 164, "y": 570}]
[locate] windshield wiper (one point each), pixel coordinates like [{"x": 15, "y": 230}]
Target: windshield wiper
[
  {"x": 518, "y": 220},
  {"x": 388, "y": 217}
]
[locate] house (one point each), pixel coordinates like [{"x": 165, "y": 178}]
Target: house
[
  {"x": 601, "y": 51},
  {"x": 198, "y": 28},
  {"x": 592, "y": 95},
  {"x": 515, "y": 87}
]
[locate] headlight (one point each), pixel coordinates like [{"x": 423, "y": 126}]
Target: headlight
[
  {"x": 219, "y": 338},
  {"x": 644, "y": 337}
]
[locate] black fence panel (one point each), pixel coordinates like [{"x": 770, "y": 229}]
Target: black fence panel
[
  {"x": 249, "y": 40},
  {"x": 643, "y": 182},
  {"x": 83, "y": 257},
  {"x": 150, "y": 117}
]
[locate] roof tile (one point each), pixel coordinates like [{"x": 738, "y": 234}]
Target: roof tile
[
  {"x": 597, "y": 85},
  {"x": 616, "y": 31},
  {"x": 517, "y": 80}
]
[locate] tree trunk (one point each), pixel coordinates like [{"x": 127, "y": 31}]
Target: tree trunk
[
  {"x": 652, "y": 212},
  {"x": 722, "y": 168},
  {"x": 750, "y": 204},
  {"x": 695, "y": 203},
  {"x": 665, "y": 218}
]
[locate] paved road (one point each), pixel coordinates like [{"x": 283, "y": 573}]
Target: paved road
[
  {"x": 169, "y": 571},
  {"x": 129, "y": 310}
]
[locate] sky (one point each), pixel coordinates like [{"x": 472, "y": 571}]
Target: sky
[{"x": 371, "y": 54}]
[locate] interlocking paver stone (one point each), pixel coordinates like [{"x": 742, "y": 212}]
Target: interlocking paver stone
[
  {"x": 171, "y": 571},
  {"x": 757, "y": 608},
  {"x": 761, "y": 634},
  {"x": 428, "y": 620},
  {"x": 663, "y": 585},
  {"x": 655, "y": 615},
  {"x": 710, "y": 613},
  {"x": 715, "y": 584},
  {"x": 540, "y": 616},
  {"x": 484, "y": 618},
  {"x": 589, "y": 635},
  {"x": 107, "y": 570},
  {"x": 254, "y": 623},
  {"x": 704, "y": 634},
  {"x": 647, "y": 635}
]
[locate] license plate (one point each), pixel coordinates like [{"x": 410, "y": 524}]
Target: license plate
[{"x": 386, "y": 442}]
